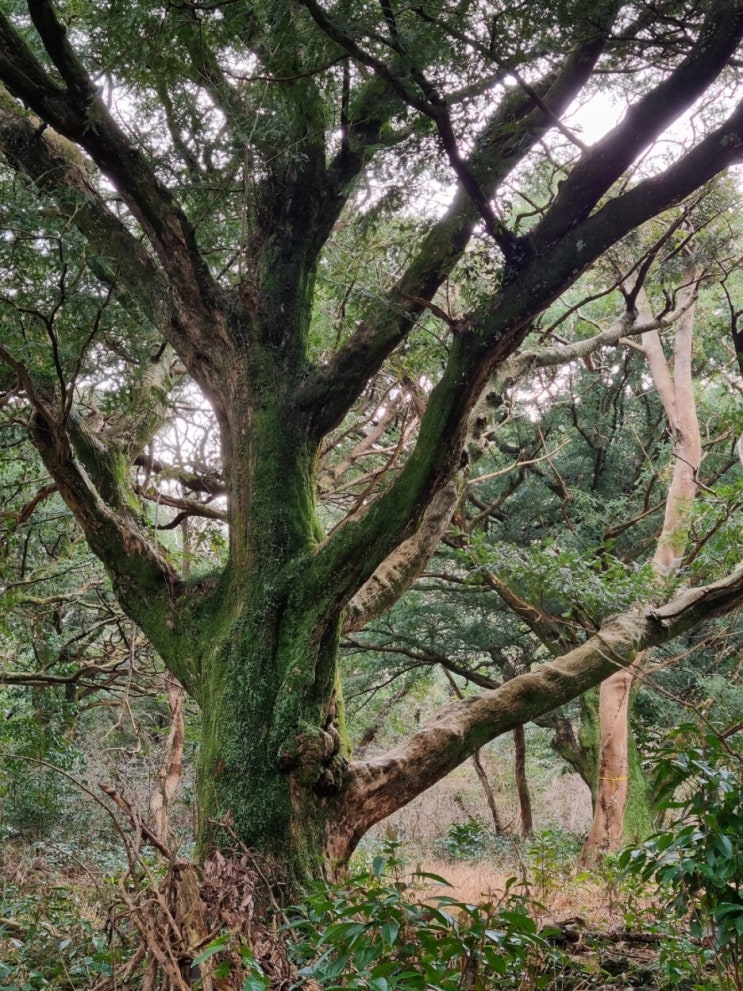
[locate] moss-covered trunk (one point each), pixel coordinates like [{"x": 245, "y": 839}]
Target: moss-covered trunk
[{"x": 269, "y": 748}]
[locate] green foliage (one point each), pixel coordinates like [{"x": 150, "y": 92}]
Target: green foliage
[
  {"x": 376, "y": 932},
  {"x": 697, "y": 860},
  {"x": 551, "y": 855},
  {"x": 45, "y": 944},
  {"x": 574, "y": 581},
  {"x": 255, "y": 978},
  {"x": 470, "y": 840},
  {"x": 33, "y": 796}
]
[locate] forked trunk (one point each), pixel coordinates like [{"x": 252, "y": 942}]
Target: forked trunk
[{"x": 675, "y": 389}]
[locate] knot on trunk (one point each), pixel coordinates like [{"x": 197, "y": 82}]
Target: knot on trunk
[
  {"x": 331, "y": 778},
  {"x": 313, "y": 759}
]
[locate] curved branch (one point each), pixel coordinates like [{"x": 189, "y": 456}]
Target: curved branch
[
  {"x": 376, "y": 788},
  {"x": 406, "y": 563},
  {"x": 78, "y": 112},
  {"x": 627, "y": 326},
  {"x": 118, "y": 259},
  {"x": 56, "y": 166},
  {"x": 145, "y": 582}
]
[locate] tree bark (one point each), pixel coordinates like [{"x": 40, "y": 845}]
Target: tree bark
[
  {"x": 482, "y": 774},
  {"x": 676, "y": 392},
  {"x": 612, "y": 780},
  {"x": 522, "y": 783},
  {"x": 171, "y": 765}
]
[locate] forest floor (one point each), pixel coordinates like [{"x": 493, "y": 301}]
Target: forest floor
[
  {"x": 608, "y": 931},
  {"x": 57, "y": 925}
]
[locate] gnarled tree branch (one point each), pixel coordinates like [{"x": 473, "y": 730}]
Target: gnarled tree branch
[{"x": 376, "y": 788}]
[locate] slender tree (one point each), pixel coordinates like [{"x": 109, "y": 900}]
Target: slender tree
[{"x": 675, "y": 388}]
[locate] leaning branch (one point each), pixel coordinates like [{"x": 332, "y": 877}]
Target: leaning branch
[
  {"x": 144, "y": 579},
  {"x": 377, "y": 787},
  {"x": 56, "y": 167},
  {"x": 406, "y": 563}
]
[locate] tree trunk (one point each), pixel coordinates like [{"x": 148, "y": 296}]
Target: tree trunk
[
  {"x": 171, "y": 765},
  {"x": 613, "y": 769},
  {"x": 522, "y": 785},
  {"x": 270, "y": 749},
  {"x": 676, "y": 392},
  {"x": 482, "y": 774}
]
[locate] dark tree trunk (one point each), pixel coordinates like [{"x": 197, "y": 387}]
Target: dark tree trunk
[
  {"x": 482, "y": 774},
  {"x": 522, "y": 785}
]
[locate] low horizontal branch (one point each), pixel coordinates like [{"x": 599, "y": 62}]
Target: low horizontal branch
[{"x": 376, "y": 788}]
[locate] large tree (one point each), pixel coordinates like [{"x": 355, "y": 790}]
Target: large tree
[{"x": 177, "y": 179}]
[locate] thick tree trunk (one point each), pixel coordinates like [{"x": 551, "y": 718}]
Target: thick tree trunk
[{"x": 270, "y": 750}]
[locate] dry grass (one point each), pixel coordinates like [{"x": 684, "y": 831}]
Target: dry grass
[
  {"x": 473, "y": 883},
  {"x": 590, "y": 898},
  {"x": 560, "y": 801}
]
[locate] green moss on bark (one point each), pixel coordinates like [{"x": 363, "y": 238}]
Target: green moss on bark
[
  {"x": 589, "y": 736},
  {"x": 267, "y": 748}
]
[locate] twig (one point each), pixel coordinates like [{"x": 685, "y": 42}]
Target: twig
[{"x": 136, "y": 820}]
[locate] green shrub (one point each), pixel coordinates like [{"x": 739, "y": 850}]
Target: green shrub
[
  {"x": 470, "y": 840},
  {"x": 697, "y": 859},
  {"x": 371, "y": 934},
  {"x": 551, "y": 855}
]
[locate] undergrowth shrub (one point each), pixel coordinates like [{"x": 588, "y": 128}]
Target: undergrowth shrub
[
  {"x": 697, "y": 858},
  {"x": 45, "y": 944},
  {"x": 376, "y": 933},
  {"x": 470, "y": 840},
  {"x": 551, "y": 855}
]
